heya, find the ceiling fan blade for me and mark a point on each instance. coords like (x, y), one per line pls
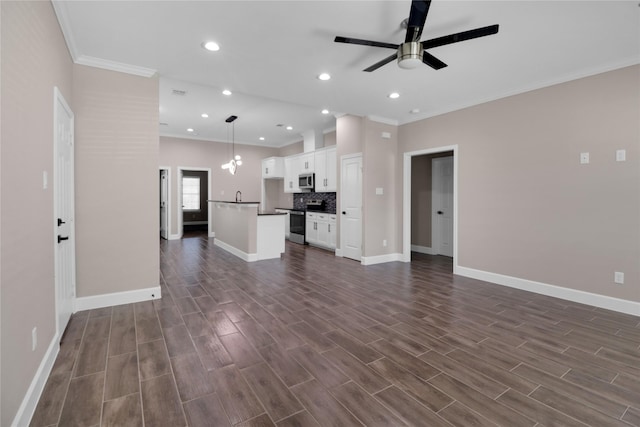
(432, 61)
(459, 37)
(379, 64)
(417, 18)
(349, 40)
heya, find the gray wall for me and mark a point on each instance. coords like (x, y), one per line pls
(34, 59)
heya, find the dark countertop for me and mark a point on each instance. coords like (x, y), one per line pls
(234, 203)
(305, 210)
(270, 213)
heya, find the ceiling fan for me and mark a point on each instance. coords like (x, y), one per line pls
(413, 52)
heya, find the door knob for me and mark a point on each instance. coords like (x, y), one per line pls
(344, 212)
(440, 212)
(60, 238)
(60, 222)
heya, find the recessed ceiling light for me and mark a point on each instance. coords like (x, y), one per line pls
(190, 130)
(261, 138)
(394, 95)
(204, 115)
(226, 92)
(325, 111)
(211, 46)
(289, 127)
(324, 76)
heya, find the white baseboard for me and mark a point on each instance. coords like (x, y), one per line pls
(117, 298)
(31, 398)
(235, 251)
(212, 234)
(175, 236)
(582, 297)
(339, 252)
(423, 250)
(379, 259)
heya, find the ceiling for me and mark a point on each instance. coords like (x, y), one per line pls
(271, 53)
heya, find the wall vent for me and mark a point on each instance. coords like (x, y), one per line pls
(179, 92)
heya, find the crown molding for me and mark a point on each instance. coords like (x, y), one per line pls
(383, 120)
(62, 14)
(91, 61)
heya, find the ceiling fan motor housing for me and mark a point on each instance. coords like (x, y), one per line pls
(410, 55)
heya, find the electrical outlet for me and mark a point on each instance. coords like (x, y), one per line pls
(584, 158)
(34, 339)
(621, 155)
(618, 277)
(384, 243)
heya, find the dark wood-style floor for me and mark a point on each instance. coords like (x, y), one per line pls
(315, 340)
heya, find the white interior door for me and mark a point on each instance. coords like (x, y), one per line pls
(351, 207)
(164, 203)
(442, 204)
(64, 226)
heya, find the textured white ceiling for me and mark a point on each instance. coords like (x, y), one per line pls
(272, 51)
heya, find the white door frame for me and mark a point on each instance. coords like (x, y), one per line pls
(340, 251)
(406, 200)
(168, 169)
(179, 203)
(60, 102)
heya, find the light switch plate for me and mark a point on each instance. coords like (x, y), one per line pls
(584, 158)
(618, 277)
(621, 155)
(379, 191)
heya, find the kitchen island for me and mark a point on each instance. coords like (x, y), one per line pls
(242, 230)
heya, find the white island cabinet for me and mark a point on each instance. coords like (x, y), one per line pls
(239, 229)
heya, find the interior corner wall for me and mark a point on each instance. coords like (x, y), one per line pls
(34, 60)
(379, 167)
(527, 208)
(117, 199)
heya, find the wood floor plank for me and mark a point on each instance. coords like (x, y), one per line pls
(575, 408)
(122, 339)
(191, 378)
(536, 410)
(323, 406)
(49, 406)
(407, 361)
(284, 365)
(301, 419)
(169, 316)
(178, 341)
(212, 353)
(240, 350)
(220, 323)
(161, 402)
(254, 332)
(410, 384)
(124, 411)
(83, 403)
(122, 376)
(259, 421)
(153, 359)
(355, 369)
(461, 416)
(197, 324)
(353, 346)
(206, 411)
(237, 398)
(272, 392)
(312, 337)
(408, 409)
(368, 410)
(92, 357)
(322, 370)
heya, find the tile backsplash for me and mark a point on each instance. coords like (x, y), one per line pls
(300, 200)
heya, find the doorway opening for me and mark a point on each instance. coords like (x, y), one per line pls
(194, 190)
(165, 197)
(430, 203)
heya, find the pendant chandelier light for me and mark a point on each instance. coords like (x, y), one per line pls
(236, 160)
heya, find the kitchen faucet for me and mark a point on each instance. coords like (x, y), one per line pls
(238, 196)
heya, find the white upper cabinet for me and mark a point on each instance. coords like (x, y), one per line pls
(273, 167)
(325, 166)
(291, 172)
(307, 164)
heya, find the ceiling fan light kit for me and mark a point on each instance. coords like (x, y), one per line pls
(413, 52)
(410, 55)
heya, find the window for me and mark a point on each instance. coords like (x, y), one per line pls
(191, 193)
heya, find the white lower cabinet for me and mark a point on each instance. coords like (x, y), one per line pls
(321, 230)
(287, 219)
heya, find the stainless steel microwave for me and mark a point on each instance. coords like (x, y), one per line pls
(306, 181)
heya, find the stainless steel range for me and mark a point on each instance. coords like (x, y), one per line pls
(297, 220)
